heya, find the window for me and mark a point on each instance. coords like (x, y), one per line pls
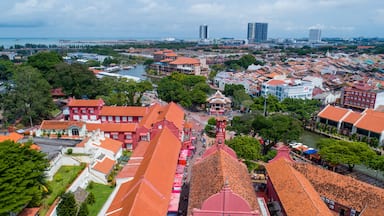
(129, 146)
(140, 118)
(110, 118)
(91, 110)
(103, 118)
(75, 132)
(128, 136)
(75, 110)
(124, 118)
(83, 111)
(115, 136)
(130, 118)
(117, 118)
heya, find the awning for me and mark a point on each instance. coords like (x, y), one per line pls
(310, 151)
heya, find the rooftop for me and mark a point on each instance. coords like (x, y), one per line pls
(85, 103)
(123, 111)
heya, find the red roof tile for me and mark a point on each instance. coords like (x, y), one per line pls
(130, 169)
(352, 117)
(275, 82)
(105, 166)
(112, 127)
(372, 121)
(111, 145)
(295, 192)
(15, 137)
(333, 113)
(185, 61)
(29, 212)
(210, 173)
(149, 193)
(59, 125)
(170, 112)
(85, 103)
(123, 111)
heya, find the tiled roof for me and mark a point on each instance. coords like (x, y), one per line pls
(275, 82)
(333, 113)
(15, 137)
(282, 152)
(149, 193)
(112, 127)
(344, 189)
(296, 194)
(185, 61)
(352, 117)
(85, 103)
(170, 112)
(211, 173)
(111, 145)
(123, 111)
(59, 125)
(105, 166)
(371, 120)
(29, 212)
(130, 169)
(171, 54)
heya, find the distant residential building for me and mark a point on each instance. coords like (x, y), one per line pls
(257, 32)
(361, 97)
(203, 32)
(314, 35)
(288, 88)
(167, 61)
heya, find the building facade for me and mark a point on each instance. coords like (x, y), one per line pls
(314, 35)
(203, 32)
(84, 110)
(257, 32)
(361, 98)
(287, 89)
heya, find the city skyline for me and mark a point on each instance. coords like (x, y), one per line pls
(155, 19)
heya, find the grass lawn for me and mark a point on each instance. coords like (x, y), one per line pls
(101, 193)
(61, 181)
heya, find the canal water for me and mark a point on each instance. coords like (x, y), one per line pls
(310, 139)
(138, 71)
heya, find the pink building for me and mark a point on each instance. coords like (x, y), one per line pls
(84, 110)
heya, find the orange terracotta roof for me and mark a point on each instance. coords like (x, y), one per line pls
(123, 111)
(170, 112)
(35, 147)
(295, 192)
(166, 60)
(105, 166)
(111, 145)
(372, 121)
(185, 61)
(188, 125)
(83, 142)
(275, 82)
(149, 193)
(59, 125)
(29, 212)
(112, 127)
(212, 171)
(272, 75)
(333, 113)
(130, 169)
(158, 53)
(171, 54)
(15, 137)
(140, 149)
(344, 190)
(85, 103)
(352, 117)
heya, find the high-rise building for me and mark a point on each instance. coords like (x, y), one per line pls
(203, 33)
(257, 32)
(314, 35)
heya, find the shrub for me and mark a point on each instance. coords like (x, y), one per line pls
(69, 151)
(90, 199)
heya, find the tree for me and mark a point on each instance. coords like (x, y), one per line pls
(6, 69)
(90, 198)
(344, 152)
(44, 61)
(67, 205)
(83, 210)
(22, 177)
(210, 128)
(246, 147)
(246, 60)
(29, 97)
(229, 89)
(108, 61)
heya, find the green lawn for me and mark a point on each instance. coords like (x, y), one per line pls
(61, 181)
(101, 193)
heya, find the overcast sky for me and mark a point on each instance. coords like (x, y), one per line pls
(181, 18)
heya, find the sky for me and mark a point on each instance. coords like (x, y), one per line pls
(156, 19)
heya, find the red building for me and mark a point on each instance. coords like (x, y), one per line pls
(361, 96)
(124, 114)
(84, 110)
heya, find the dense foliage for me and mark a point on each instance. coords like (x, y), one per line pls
(67, 205)
(344, 152)
(22, 177)
(243, 62)
(247, 148)
(28, 98)
(188, 90)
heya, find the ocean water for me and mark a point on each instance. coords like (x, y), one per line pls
(138, 71)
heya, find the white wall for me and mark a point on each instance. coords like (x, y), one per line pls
(60, 160)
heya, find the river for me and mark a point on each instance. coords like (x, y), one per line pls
(138, 71)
